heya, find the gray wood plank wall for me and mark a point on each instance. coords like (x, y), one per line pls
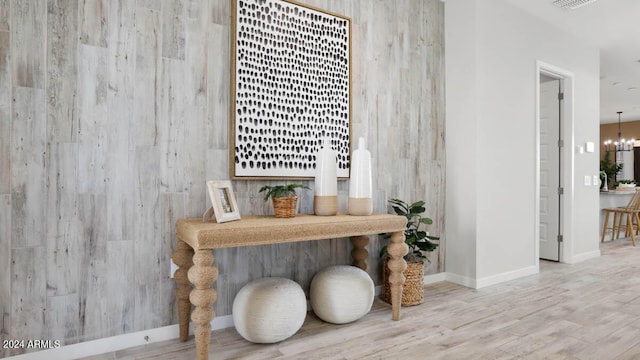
(113, 114)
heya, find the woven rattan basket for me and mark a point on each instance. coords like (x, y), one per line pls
(285, 207)
(413, 288)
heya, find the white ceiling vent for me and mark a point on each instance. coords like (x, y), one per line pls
(572, 4)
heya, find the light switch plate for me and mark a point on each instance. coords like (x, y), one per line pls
(587, 180)
(591, 146)
(596, 180)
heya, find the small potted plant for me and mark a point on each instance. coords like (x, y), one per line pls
(284, 198)
(419, 241)
(625, 184)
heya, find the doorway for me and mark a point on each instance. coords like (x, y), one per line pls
(554, 185)
(550, 174)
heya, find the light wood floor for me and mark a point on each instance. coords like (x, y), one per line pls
(586, 311)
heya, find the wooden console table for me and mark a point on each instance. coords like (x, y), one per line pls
(197, 240)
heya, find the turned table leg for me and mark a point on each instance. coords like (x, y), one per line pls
(397, 249)
(202, 275)
(359, 253)
(183, 258)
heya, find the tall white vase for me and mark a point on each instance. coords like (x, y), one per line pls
(360, 187)
(325, 200)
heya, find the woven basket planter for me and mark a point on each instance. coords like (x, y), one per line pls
(413, 288)
(285, 207)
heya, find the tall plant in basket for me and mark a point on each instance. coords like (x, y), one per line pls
(419, 241)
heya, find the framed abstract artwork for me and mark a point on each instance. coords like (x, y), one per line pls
(290, 89)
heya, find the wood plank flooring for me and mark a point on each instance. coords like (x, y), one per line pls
(589, 310)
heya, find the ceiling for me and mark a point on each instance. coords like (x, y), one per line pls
(613, 26)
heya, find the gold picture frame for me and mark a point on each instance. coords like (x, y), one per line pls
(223, 200)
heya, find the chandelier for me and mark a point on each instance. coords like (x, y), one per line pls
(621, 144)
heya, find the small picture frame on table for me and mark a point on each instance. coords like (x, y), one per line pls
(224, 206)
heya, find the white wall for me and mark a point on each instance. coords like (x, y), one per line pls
(498, 45)
(461, 140)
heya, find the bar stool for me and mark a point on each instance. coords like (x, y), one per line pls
(629, 215)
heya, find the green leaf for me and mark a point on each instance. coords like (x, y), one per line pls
(277, 191)
(417, 204)
(426, 246)
(268, 192)
(426, 221)
(419, 254)
(400, 203)
(417, 210)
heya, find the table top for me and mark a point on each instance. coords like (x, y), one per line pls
(263, 230)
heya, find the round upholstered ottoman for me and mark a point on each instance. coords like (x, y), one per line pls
(269, 310)
(341, 294)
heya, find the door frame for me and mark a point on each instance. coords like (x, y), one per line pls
(567, 171)
(553, 164)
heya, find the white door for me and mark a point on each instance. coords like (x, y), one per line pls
(550, 136)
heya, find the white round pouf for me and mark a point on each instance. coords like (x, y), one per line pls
(341, 294)
(269, 310)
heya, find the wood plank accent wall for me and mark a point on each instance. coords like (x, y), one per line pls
(114, 113)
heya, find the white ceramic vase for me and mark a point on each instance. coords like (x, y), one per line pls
(325, 200)
(360, 183)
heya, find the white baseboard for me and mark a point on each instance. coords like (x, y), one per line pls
(489, 280)
(506, 276)
(377, 291)
(460, 280)
(435, 278)
(220, 322)
(120, 342)
(584, 256)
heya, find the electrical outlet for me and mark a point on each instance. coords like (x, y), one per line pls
(596, 180)
(172, 268)
(587, 180)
